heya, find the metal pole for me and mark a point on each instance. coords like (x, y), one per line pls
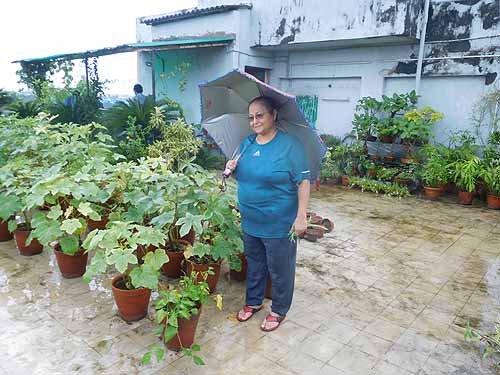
(87, 75)
(421, 51)
(153, 83)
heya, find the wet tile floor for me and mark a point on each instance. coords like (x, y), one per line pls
(387, 292)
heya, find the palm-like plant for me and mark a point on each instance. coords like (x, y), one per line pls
(25, 109)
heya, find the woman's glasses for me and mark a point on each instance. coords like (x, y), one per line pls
(258, 116)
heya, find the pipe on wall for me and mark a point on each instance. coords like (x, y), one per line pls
(423, 32)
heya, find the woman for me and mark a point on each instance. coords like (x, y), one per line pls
(273, 193)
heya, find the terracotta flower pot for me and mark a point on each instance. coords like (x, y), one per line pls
(345, 180)
(375, 157)
(493, 202)
(132, 304)
(5, 235)
(432, 193)
(173, 268)
(316, 219)
(387, 139)
(141, 251)
(372, 173)
(101, 224)
(328, 224)
(465, 197)
(240, 275)
(186, 333)
(211, 279)
(269, 289)
(27, 250)
(403, 181)
(406, 160)
(71, 266)
(190, 237)
(390, 158)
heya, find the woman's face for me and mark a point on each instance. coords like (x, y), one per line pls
(261, 120)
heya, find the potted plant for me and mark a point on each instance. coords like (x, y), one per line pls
(116, 246)
(330, 169)
(177, 314)
(8, 208)
(465, 175)
(434, 174)
(415, 127)
(387, 130)
(218, 236)
(365, 118)
(491, 176)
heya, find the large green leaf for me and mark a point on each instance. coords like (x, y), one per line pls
(163, 219)
(121, 259)
(70, 245)
(9, 205)
(70, 226)
(55, 212)
(86, 210)
(97, 266)
(190, 221)
(144, 277)
(47, 232)
(156, 259)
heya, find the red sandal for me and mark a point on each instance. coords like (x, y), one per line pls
(246, 310)
(272, 319)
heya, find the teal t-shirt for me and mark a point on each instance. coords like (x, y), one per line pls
(268, 176)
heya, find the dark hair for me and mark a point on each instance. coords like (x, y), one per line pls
(138, 88)
(266, 101)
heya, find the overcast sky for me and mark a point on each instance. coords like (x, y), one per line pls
(35, 28)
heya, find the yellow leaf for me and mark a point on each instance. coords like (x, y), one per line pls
(188, 252)
(68, 212)
(218, 301)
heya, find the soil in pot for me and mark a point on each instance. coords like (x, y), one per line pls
(432, 193)
(132, 304)
(173, 268)
(211, 279)
(493, 202)
(240, 275)
(101, 224)
(21, 235)
(186, 333)
(465, 197)
(71, 266)
(5, 235)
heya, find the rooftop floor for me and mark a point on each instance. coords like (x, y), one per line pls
(387, 292)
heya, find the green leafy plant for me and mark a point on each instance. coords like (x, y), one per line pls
(177, 144)
(435, 171)
(365, 117)
(24, 109)
(489, 343)
(175, 304)
(416, 126)
(491, 176)
(466, 173)
(116, 246)
(379, 187)
(387, 174)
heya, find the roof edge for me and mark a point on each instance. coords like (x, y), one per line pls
(191, 13)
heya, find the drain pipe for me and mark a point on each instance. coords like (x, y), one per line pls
(421, 51)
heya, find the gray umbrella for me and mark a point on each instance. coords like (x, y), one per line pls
(224, 114)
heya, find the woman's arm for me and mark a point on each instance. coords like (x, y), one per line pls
(300, 224)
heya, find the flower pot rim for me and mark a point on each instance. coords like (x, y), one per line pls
(120, 277)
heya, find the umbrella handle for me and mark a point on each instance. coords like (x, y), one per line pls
(227, 172)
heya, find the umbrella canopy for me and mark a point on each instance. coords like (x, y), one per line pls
(224, 114)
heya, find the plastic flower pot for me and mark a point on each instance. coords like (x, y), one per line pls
(33, 248)
(71, 266)
(132, 304)
(211, 279)
(493, 202)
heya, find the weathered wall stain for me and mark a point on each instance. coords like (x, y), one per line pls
(452, 20)
(281, 28)
(490, 14)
